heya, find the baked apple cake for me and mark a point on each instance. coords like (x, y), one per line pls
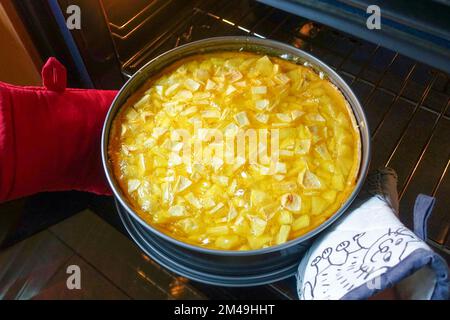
(174, 148)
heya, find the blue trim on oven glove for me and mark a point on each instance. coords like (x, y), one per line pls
(418, 272)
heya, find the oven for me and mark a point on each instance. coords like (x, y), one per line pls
(400, 73)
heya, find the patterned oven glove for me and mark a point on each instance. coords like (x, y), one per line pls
(370, 250)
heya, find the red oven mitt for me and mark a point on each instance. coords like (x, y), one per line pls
(50, 136)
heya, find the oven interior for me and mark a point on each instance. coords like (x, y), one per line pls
(406, 100)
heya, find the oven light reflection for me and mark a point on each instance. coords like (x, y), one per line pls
(178, 287)
(309, 30)
(145, 257)
(231, 23)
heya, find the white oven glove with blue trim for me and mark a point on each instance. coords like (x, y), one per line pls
(370, 250)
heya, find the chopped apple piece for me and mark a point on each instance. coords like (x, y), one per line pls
(285, 217)
(330, 196)
(232, 213)
(238, 163)
(258, 226)
(133, 185)
(337, 182)
(263, 118)
(159, 90)
(296, 114)
(318, 205)
(202, 74)
(291, 202)
(174, 160)
(217, 208)
(241, 119)
(301, 222)
(286, 153)
(142, 165)
(177, 147)
(315, 117)
(192, 85)
(222, 180)
(189, 111)
(170, 90)
(183, 95)
(322, 151)
(302, 146)
(177, 211)
(231, 130)
(280, 167)
(262, 104)
(124, 129)
(282, 79)
(264, 66)
(284, 117)
(234, 75)
(167, 195)
(283, 234)
(189, 225)
(232, 188)
(227, 242)
(193, 200)
(208, 203)
(259, 90)
(218, 230)
(132, 114)
(183, 183)
(211, 114)
(216, 163)
(309, 180)
(230, 90)
(285, 186)
(210, 85)
(258, 198)
(259, 242)
(262, 170)
(158, 132)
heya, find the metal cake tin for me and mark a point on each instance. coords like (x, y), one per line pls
(221, 267)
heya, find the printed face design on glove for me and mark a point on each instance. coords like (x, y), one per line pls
(387, 250)
(354, 262)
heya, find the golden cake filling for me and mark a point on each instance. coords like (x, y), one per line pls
(236, 151)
